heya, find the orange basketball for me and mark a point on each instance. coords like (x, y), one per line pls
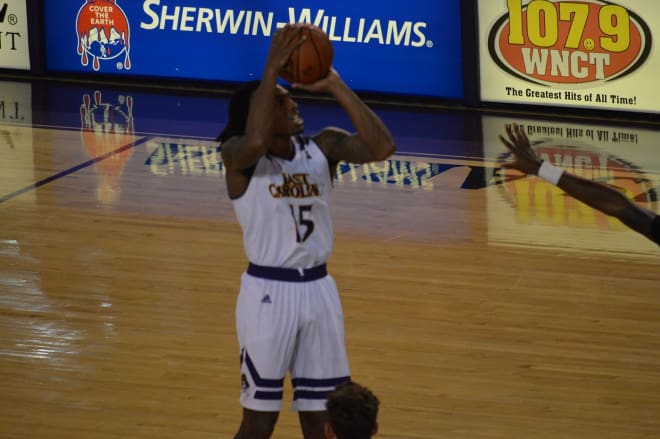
(312, 60)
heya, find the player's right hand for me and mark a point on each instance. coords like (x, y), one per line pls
(284, 42)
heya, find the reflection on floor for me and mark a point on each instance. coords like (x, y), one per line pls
(170, 137)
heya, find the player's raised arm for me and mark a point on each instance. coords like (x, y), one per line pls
(372, 140)
(602, 197)
(255, 135)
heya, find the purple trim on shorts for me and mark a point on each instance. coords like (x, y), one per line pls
(261, 382)
(268, 396)
(316, 382)
(319, 382)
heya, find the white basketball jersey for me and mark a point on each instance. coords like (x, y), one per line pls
(284, 212)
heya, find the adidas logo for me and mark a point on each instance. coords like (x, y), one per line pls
(266, 299)
(3, 12)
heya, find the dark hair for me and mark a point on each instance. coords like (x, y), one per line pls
(239, 106)
(352, 411)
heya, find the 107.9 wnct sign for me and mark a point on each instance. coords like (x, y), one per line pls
(591, 53)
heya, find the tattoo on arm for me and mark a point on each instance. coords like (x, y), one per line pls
(236, 156)
(340, 145)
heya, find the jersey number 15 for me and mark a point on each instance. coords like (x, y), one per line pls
(302, 221)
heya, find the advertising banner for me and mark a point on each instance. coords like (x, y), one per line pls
(14, 44)
(584, 53)
(384, 47)
(529, 211)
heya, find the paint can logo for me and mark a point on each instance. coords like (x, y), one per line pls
(103, 34)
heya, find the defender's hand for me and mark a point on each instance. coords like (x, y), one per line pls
(524, 157)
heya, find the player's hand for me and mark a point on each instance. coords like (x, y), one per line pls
(524, 157)
(284, 42)
(324, 85)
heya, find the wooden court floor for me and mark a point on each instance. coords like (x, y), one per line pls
(469, 313)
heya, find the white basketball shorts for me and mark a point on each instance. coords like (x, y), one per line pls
(295, 327)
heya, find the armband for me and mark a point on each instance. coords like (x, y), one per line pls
(549, 172)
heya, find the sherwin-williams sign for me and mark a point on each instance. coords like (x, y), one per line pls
(382, 47)
(14, 44)
(589, 53)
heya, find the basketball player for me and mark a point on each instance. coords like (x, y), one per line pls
(352, 412)
(288, 314)
(597, 195)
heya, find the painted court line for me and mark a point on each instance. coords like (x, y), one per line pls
(73, 169)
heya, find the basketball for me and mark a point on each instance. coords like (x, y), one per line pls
(310, 61)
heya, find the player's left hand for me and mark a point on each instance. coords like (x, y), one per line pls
(324, 85)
